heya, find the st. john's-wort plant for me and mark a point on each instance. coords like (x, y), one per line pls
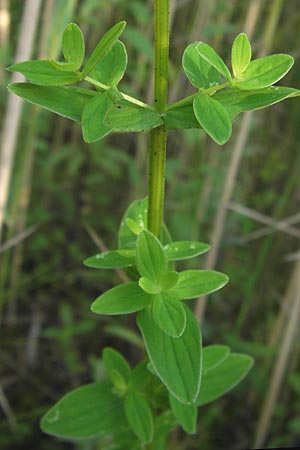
(138, 407)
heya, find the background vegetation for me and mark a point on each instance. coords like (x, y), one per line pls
(65, 199)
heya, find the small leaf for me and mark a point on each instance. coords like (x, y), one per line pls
(43, 73)
(213, 355)
(169, 280)
(176, 251)
(89, 411)
(141, 376)
(73, 45)
(263, 72)
(194, 283)
(235, 100)
(223, 378)
(180, 117)
(123, 299)
(93, 126)
(114, 361)
(177, 361)
(186, 415)
(240, 54)
(103, 47)
(200, 72)
(213, 117)
(148, 286)
(66, 101)
(111, 259)
(111, 68)
(128, 118)
(212, 57)
(169, 314)
(139, 416)
(151, 260)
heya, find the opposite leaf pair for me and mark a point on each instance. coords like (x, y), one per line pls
(158, 289)
(205, 69)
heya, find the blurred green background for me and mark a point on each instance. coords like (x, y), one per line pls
(65, 200)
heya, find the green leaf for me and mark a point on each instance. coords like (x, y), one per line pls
(66, 101)
(114, 361)
(213, 117)
(43, 73)
(73, 45)
(200, 72)
(151, 260)
(177, 361)
(141, 376)
(223, 378)
(212, 57)
(181, 117)
(169, 314)
(240, 54)
(89, 411)
(193, 283)
(139, 416)
(176, 251)
(236, 101)
(213, 355)
(137, 211)
(103, 47)
(111, 259)
(126, 117)
(169, 280)
(148, 286)
(263, 72)
(111, 68)
(186, 415)
(93, 126)
(123, 299)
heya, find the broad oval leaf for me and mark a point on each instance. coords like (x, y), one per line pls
(86, 412)
(186, 415)
(123, 299)
(93, 126)
(235, 100)
(148, 286)
(223, 378)
(169, 280)
(73, 44)
(66, 101)
(212, 57)
(179, 250)
(200, 72)
(194, 283)
(103, 47)
(43, 73)
(263, 72)
(114, 361)
(213, 117)
(111, 68)
(213, 355)
(177, 361)
(139, 417)
(240, 54)
(111, 259)
(169, 314)
(128, 118)
(180, 117)
(151, 260)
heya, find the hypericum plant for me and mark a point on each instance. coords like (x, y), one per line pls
(138, 407)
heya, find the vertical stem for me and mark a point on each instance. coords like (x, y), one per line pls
(158, 136)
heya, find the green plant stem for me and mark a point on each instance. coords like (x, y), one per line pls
(158, 136)
(130, 99)
(190, 98)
